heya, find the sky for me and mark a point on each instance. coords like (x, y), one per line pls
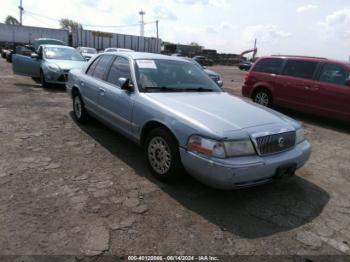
(293, 27)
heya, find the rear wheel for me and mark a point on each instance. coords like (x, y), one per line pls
(162, 154)
(263, 97)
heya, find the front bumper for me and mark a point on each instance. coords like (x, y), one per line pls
(56, 77)
(242, 171)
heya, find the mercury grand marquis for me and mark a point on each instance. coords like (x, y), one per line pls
(186, 122)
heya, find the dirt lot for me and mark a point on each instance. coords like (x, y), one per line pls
(72, 189)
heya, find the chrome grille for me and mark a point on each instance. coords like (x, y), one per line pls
(275, 143)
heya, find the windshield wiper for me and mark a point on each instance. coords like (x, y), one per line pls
(161, 89)
(199, 89)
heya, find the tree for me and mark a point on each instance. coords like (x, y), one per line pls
(10, 20)
(195, 44)
(69, 24)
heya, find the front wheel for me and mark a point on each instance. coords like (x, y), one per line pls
(80, 113)
(162, 154)
(43, 82)
(263, 97)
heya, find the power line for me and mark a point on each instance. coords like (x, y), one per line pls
(87, 25)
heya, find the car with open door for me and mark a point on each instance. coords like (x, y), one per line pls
(185, 121)
(50, 63)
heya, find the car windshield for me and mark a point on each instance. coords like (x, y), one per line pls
(162, 75)
(89, 50)
(62, 53)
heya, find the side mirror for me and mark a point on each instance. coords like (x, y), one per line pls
(347, 82)
(34, 56)
(126, 84)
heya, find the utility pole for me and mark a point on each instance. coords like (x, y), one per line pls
(20, 12)
(157, 28)
(142, 23)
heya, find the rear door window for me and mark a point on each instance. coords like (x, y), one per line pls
(119, 69)
(302, 69)
(270, 66)
(92, 67)
(334, 74)
(102, 66)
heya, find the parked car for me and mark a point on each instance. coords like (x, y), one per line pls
(9, 56)
(26, 50)
(315, 85)
(204, 61)
(87, 52)
(4, 53)
(245, 65)
(113, 49)
(51, 63)
(185, 121)
(179, 55)
(212, 74)
(46, 41)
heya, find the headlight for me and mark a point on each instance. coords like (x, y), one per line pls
(54, 67)
(220, 149)
(239, 148)
(299, 136)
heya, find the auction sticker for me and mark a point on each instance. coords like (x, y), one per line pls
(148, 64)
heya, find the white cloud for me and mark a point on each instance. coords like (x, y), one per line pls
(162, 12)
(336, 25)
(264, 33)
(211, 30)
(216, 3)
(305, 8)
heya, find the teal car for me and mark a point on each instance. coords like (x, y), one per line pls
(50, 63)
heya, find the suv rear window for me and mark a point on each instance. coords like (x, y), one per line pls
(302, 69)
(269, 65)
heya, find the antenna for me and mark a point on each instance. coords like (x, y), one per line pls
(142, 23)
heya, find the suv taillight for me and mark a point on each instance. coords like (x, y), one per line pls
(247, 76)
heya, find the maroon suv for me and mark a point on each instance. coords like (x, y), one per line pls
(315, 85)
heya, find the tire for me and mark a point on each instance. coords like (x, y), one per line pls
(162, 155)
(80, 113)
(43, 82)
(263, 97)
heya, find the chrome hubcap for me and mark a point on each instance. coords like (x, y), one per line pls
(262, 98)
(159, 155)
(77, 107)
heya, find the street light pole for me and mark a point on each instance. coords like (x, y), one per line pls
(157, 28)
(142, 23)
(20, 7)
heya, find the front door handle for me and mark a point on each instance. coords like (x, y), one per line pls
(102, 91)
(82, 83)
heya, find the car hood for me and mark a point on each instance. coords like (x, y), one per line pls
(218, 112)
(68, 65)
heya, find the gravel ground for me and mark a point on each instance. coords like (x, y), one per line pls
(85, 190)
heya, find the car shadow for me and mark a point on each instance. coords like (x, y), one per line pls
(325, 122)
(249, 213)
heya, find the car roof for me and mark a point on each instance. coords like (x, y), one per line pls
(308, 58)
(146, 56)
(60, 46)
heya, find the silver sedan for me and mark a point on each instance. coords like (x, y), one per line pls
(185, 122)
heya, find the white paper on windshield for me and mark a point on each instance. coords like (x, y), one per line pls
(149, 64)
